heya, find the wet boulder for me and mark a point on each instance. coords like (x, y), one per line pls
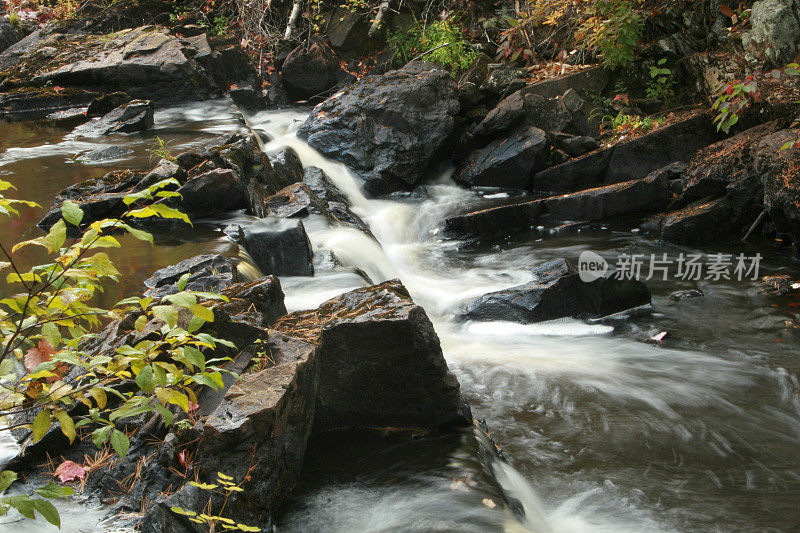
(508, 162)
(575, 145)
(387, 128)
(279, 247)
(495, 222)
(698, 222)
(106, 103)
(574, 174)
(381, 364)
(646, 195)
(108, 153)
(247, 98)
(308, 73)
(211, 193)
(136, 115)
(207, 273)
(558, 292)
(779, 173)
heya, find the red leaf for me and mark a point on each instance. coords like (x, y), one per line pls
(729, 89)
(728, 12)
(35, 356)
(69, 471)
(182, 458)
(193, 406)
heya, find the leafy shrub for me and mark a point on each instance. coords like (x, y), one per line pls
(614, 29)
(662, 83)
(442, 42)
(47, 319)
(731, 98)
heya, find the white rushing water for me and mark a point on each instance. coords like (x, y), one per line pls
(605, 433)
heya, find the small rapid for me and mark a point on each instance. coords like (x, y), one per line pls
(606, 430)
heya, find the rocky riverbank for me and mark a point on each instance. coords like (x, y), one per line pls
(369, 358)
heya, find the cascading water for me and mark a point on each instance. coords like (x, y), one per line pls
(605, 430)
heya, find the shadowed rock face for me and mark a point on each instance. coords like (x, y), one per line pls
(387, 128)
(381, 363)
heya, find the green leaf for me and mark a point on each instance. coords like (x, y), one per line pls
(203, 312)
(100, 435)
(166, 313)
(72, 212)
(120, 443)
(54, 490)
(7, 477)
(183, 281)
(182, 299)
(51, 334)
(195, 357)
(166, 413)
(145, 379)
(203, 486)
(23, 504)
(58, 234)
(41, 424)
(48, 511)
(67, 425)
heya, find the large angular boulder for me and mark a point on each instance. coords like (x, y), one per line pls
(213, 192)
(558, 292)
(779, 173)
(387, 128)
(698, 222)
(575, 174)
(381, 362)
(279, 247)
(508, 162)
(774, 36)
(308, 73)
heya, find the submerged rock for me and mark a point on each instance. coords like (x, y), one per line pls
(136, 115)
(207, 273)
(699, 222)
(559, 292)
(105, 154)
(387, 128)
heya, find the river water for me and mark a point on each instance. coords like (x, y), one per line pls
(604, 430)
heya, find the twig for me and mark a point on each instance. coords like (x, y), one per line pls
(755, 225)
(429, 51)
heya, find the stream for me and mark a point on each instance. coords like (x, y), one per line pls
(604, 429)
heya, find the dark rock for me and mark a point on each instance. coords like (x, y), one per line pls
(505, 116)
(105, 154)
(575, 145)
(387, 128)
(504, 80)
(677, 296)
(147, 61)
(247, 98)
(508, 162)
(34, 103)
(322, 186)
(164, 170)
(347, 30)
(286, 166)
(700, 222)
(559, 292)
(296, 200)
(134, 116)
(258, 303)
(779, 173)
(495, 222)
(549, 114)
(214, 192)
(99, 198)
(310, 73)
(103, 105)
(208, 273)
(646, 195)
(279, 247)
(9, 34)
(68, 118)
(367, 338)
(575, 174)
(593, 80)
(675, 142)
